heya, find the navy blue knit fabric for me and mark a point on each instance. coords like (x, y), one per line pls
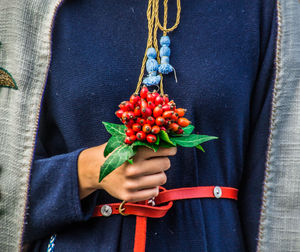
(223, 52)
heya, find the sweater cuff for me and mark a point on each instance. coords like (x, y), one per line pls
(54, 200)
(84, 208)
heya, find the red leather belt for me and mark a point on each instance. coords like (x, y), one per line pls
(160, 206)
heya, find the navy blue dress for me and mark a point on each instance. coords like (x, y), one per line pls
(223, 52)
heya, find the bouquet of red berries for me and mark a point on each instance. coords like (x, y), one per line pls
(149, 119)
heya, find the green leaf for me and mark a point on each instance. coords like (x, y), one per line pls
(130, 161)
(192, 140)
(165, 137)
(113, 143)
(200, 147)
(157, 140)
(117, 158)
(154, 147)
(188, 130)
(115, 129)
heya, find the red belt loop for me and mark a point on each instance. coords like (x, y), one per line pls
(164, 201)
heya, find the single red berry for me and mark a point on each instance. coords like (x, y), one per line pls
(159, 100)
(136, 127)
(130, 114)
(183, 122)
(150, 97)
(172, 103)
(125, 116)
(151, 138)
(129, 106)
(168, 114)
(147, 128)
(155, 129)
(133, 138)
(122, 106)
(150, 120)
(166, 98)
(119, 113)
(146, 112)
(163, 128)
(168, 122)
(129, 123)
(141, 121)
(160, 121)
(141, 135)
(144, 92)
(166, 107)
(179, 131)
(137, 111)
(144, 104)
(155, 94)
(157, 111)
(128, 140)
(151, 105)
(174, 117)
(174, 127)
(129, 132)
(134, 99)
(180, 112)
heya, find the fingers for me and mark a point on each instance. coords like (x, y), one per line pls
(147, 167)
(147, 153)
(146, 182)
(141, 195)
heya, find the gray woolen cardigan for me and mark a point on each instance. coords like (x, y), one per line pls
(25, 35)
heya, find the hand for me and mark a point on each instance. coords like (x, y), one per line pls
(130, 182)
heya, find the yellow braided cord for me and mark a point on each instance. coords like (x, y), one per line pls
(155, 42)
(150, 17)
(165, 16)
(164, 29)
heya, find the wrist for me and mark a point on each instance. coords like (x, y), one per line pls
(89, 163)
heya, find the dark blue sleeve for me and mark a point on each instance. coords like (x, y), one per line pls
(53, 200)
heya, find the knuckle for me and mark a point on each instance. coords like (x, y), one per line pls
(130, 171)
(129, 185)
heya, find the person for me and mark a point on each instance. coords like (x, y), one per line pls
(224, 56)
(75, 104)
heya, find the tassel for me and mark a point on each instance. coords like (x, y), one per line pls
(165, 53)
(151, 67)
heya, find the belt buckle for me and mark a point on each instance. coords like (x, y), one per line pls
(122, 208)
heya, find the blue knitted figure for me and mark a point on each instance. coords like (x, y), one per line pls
(165, 52)
(152, 67)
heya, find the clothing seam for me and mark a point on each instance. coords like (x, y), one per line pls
(271, 126)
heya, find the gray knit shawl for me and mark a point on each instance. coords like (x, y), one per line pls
(25, 33)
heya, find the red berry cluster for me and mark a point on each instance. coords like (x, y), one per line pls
(145, 115)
